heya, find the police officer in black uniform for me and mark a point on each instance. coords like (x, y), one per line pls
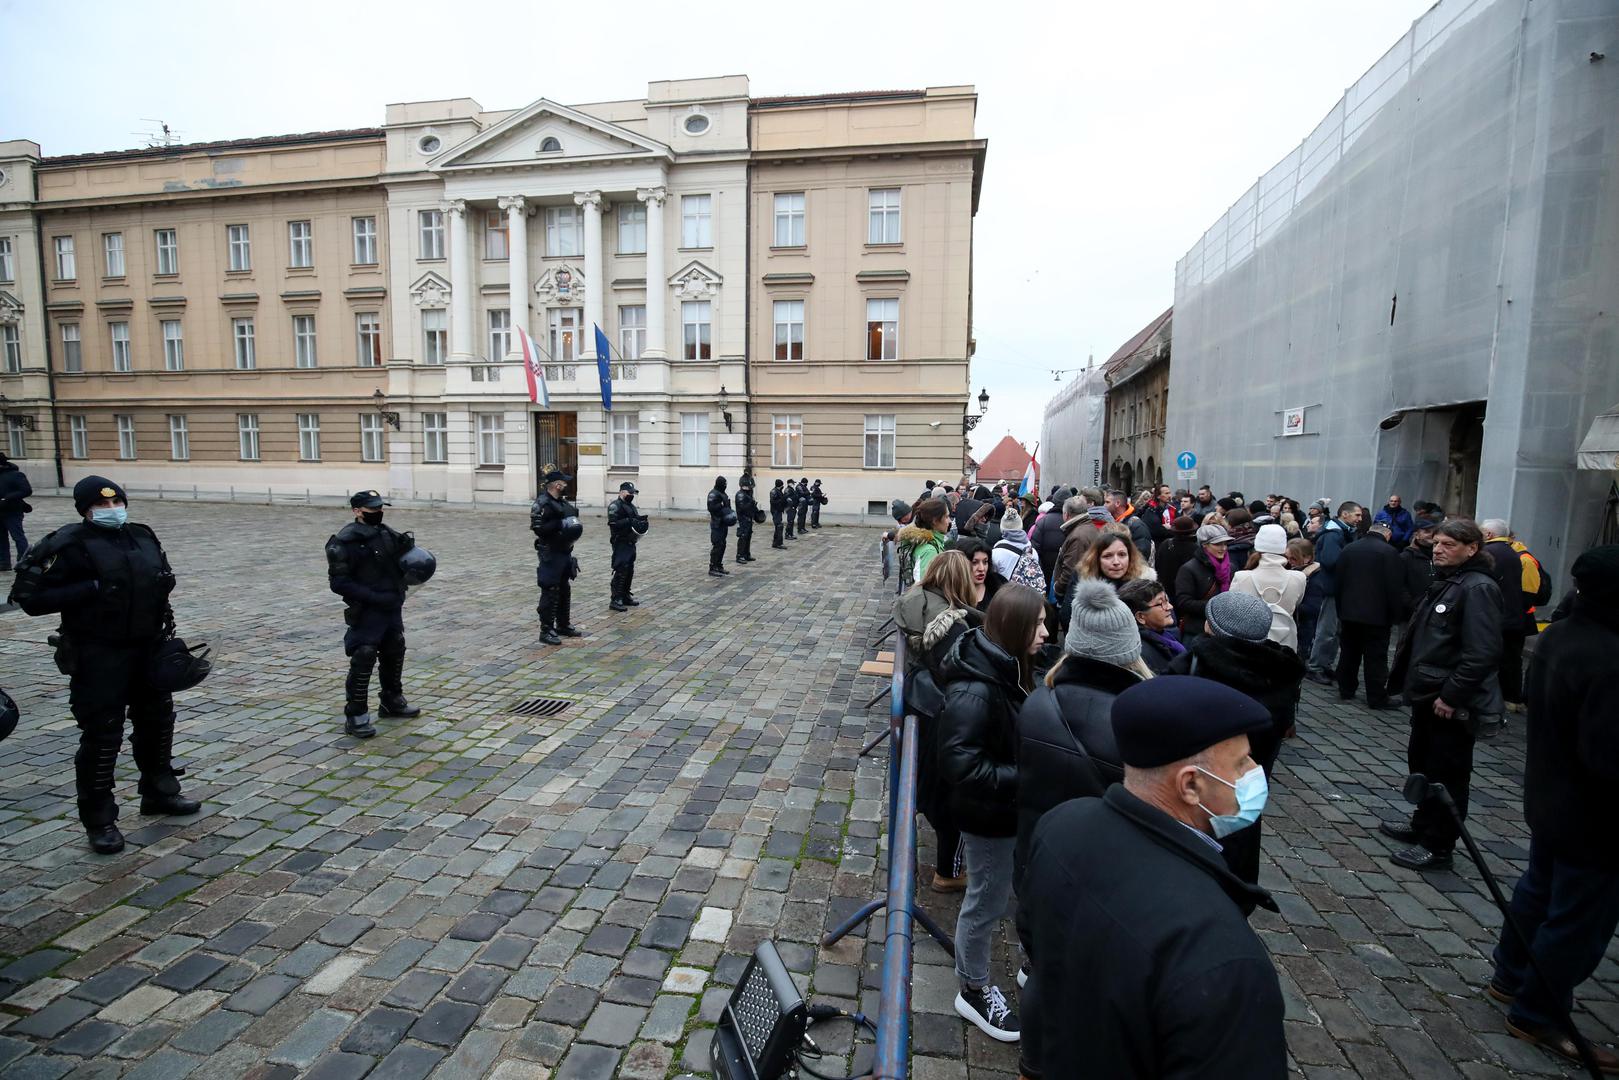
(817, 500)
(720, 519)
(804, 500)
(362, 566)
(792, 508)
(745, 506)
(556, 525)
(778, 506)
(110, 580)
(625, 525)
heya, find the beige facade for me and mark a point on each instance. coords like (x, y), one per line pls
(25, 393)
(1137, 407)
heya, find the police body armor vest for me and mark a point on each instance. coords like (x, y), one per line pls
(373, 554)
(132, 601)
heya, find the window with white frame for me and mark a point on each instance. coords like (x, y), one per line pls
(300, 245)
(787, 440)
(435, 335)
(247, 435)
(696, 320)
(882, 217)
(16, 437)
(882, 328)
(626, 438)
(632, 228)
(631, 331)
(303, 341)
(308, 436)
(8, 268)
(237, 247)
(696, 221)
(11, 339)
(368, 339)
(789, 329)
(435, 438)
(66, 267)
(112, 249)
(880, 441)
(126, 436)
(365, 241)
(430, 230)
(491, 439)
(179, 438)
(78, 431)
(121, 359)
(564, 230)
(500, 334)
(496, 235)
(242, 334)
(694, 438)
(564, 332)
(174, 346)
(72, 353)
(790, 219)
(167, 244)
(371, 446)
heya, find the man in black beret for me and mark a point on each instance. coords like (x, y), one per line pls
(1143, 963)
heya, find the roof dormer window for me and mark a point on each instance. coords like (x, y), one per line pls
(550, 145)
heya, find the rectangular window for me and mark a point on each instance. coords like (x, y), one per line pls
(787, 440)
(880, 441)
(632, 331)
(563, 230)
(112, 246)
(237, 247)
(174, 347)
(789, 329)
(626, 432)
(435, 441)
(78, 430)
(246, 355)
(430, 228)
(66, 268)
(8, 269)
(495, 235)
(564, 335)
(491, 438)
(882, 216)
(121, 360)
(168, 251)
(247, 435)
(126, 436)
(882, 329)
(300, 245)
(179, 439)
(308, 436)
(11, 338)
(370, 437)
(694, 438)
(303, 341)
(632, 228)
(696, 221)
(368, 339)
(72, 356)
(16, 437)
(500, 334)
(365, 241)
(435, 336)
(790, 219)
(696, 320)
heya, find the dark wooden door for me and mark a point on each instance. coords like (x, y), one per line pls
(556, 446)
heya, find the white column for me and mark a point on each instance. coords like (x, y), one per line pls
(595, 287)
(462, 287)
(517, 264)
(657, 297)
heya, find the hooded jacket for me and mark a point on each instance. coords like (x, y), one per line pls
(1275, 583)
(1047, 538)
(1452, 647)
(1266, 671)
(1400, 522)
(916, 546)
(1173, 554)
(1195, 585)
(1079, 533)
(14, 488)
(978, 734)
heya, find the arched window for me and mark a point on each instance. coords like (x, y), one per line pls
(550, 145)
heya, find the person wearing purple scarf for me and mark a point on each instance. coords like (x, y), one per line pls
(1155, 621)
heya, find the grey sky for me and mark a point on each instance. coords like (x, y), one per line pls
(1117, 132)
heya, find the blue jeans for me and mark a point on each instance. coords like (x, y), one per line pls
(1569, 913)
(11, 526)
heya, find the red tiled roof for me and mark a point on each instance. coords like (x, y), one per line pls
(1006, 462)
(853, 95)
(1140, 339)
(345, 135)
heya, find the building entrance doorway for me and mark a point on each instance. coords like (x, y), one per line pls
(556, 446)
(1466, 447)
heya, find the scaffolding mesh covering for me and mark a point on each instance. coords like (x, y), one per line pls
(1071, 448)
(1444, 245)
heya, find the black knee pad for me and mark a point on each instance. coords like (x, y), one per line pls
(364, 655)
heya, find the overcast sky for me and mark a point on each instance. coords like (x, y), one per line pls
(1117, 132)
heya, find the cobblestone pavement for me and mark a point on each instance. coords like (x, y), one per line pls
(477, 893)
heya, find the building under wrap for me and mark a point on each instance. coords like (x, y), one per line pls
(1424, 294)
(1072, 445)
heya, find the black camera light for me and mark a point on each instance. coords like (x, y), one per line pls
(763, 1024)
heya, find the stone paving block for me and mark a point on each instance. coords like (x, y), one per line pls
(311, 1038)
(164, 1065)
(613, 1025)
(567, 1004)
(407, 1061)
(586, 1062)
(340, 1066)
(189, 972)
(212, 1032)
(444, 1023)
(260, 996)
(54, 1018)
(415, 990)
(89, 1038)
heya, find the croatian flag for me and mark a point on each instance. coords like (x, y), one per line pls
(534, 368)
(604, 369)
(1029, 479)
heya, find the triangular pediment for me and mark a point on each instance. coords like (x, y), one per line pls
(10, 308)
(546, 132)
(696, 281)
(431, 290)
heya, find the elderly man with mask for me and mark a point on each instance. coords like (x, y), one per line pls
(1144, 964)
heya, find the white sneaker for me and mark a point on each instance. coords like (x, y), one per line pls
(987, 1010)
(1022, 977)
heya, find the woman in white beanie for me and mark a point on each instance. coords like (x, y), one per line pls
(1269, 577)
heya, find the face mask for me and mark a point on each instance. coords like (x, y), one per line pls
(372, 517)
(1252, 790)
(110, 517)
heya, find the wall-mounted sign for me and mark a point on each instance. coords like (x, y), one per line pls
(1293, 420)
(590, 450)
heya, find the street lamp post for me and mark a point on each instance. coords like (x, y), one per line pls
(969, 422)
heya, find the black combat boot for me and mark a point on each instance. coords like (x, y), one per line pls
(548, 615)
(93, 770)
(565, 625)
(629, 579)
(618, 603)
(357, 694)
(391, 672)
(160, 789)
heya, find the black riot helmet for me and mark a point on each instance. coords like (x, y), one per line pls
(572, 528)
(177, 666)
(719, 483)
(9, 714)
(417, 565)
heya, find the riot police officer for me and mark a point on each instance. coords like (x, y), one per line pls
(110, 580)
(745, 506)
(720, 519)
(804, 500)
(792, 508)
(778, 506)
(363, 567)
(625, 525)
(817, 500)
(556, 525)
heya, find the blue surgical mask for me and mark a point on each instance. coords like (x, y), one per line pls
(110, 517)
(1252, 790)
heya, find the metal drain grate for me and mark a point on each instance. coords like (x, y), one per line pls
(540, 706)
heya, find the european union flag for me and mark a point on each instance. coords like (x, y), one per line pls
(603, 369)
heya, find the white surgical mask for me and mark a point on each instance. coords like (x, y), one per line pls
(110, 517)
(1252, 790)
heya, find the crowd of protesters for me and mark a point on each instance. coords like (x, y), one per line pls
(1105, 685)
